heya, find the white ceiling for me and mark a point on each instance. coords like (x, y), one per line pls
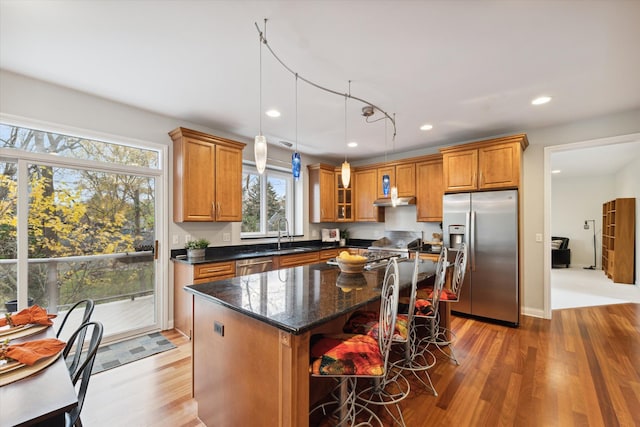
(469, 68)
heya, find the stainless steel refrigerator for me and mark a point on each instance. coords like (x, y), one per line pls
(488, 223)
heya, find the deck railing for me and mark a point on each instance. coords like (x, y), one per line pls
(86, 276)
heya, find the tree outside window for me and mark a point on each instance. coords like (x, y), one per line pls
(265, 199)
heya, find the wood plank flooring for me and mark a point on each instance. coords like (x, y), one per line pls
(581, 368)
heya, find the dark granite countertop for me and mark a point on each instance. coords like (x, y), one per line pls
(298, 299)
(230, 253)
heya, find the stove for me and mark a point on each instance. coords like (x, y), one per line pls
(393, 244)
(400, 242)
(376, 258)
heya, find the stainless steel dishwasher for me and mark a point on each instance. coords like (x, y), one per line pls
(253, 265)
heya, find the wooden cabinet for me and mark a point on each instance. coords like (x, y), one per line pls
(207, 177)
(295, 260)
(406, 179)
(429, 189)
(380, 172)
(188, 274)
(365, 192)
(484, 165)
(326, 254)
(401, 175)
(618, 240)
(343, 199)
(321, 193)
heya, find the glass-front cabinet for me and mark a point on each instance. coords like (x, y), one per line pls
(344, 206)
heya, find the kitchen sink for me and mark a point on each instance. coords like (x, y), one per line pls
(293, 250)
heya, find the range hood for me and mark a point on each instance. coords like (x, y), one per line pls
(402, 201)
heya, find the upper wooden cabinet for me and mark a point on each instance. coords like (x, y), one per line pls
(401, 175)
(321, 193)
(207, 177)
(365, 191)
(429, 189)
(343, 199)
(484, 165)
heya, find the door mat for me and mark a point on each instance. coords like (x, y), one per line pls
(123, 352)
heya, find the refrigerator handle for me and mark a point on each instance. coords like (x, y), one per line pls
(472, 239)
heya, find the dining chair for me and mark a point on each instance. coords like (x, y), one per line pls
(350, 357)
(86, 315)
(80, 366)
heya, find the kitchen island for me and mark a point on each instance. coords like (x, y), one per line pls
(251, 339)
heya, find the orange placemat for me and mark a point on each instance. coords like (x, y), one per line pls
(17, 371)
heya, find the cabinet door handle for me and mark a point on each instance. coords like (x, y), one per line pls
(213, 209)
(219, 209)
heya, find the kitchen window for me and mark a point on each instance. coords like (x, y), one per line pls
(267, 199)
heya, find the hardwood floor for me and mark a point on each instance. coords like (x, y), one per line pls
(581, 368)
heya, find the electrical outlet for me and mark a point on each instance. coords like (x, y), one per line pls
(538, 237)
(314, 233)
(218, 328)
(187, 238)
(226, 237)
(175, 239)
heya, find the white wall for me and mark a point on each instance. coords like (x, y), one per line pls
(628, 185)
(574, 200)
(25, 97)
(533, 189)
(400, 218)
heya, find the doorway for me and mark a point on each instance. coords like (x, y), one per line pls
(589, 176)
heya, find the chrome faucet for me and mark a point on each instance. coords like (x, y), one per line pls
(286, 226)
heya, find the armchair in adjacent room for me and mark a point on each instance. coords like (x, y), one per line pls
(560, 252)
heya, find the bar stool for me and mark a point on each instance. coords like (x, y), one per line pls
(417, 358)
(445, 337)
(349, 357)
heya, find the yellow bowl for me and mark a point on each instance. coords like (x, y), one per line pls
(351, 266)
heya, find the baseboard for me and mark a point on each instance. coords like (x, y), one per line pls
(533, 312)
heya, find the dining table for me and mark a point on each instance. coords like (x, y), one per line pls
(42, 398)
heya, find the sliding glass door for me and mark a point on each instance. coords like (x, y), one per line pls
(78, 224)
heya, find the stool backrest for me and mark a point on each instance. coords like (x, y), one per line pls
(388, 308)
(459, 269)
(413, 293)
(439, 279)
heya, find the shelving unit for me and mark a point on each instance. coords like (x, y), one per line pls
(618, 239)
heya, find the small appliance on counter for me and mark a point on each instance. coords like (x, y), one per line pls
(330, 234)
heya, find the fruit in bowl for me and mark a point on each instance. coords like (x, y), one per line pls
(351, 263)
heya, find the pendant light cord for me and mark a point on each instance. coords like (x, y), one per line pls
(296, 112)
(345, 126)
(263, 39)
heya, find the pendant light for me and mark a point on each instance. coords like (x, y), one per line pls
(295, 157)
(346, 167)
(260, 142)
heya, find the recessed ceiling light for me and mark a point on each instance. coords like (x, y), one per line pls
(352, 144)
(556, 171)
(541, 100)
(426, 127)
(273, 113)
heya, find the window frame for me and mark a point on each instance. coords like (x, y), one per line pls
(291, 205)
